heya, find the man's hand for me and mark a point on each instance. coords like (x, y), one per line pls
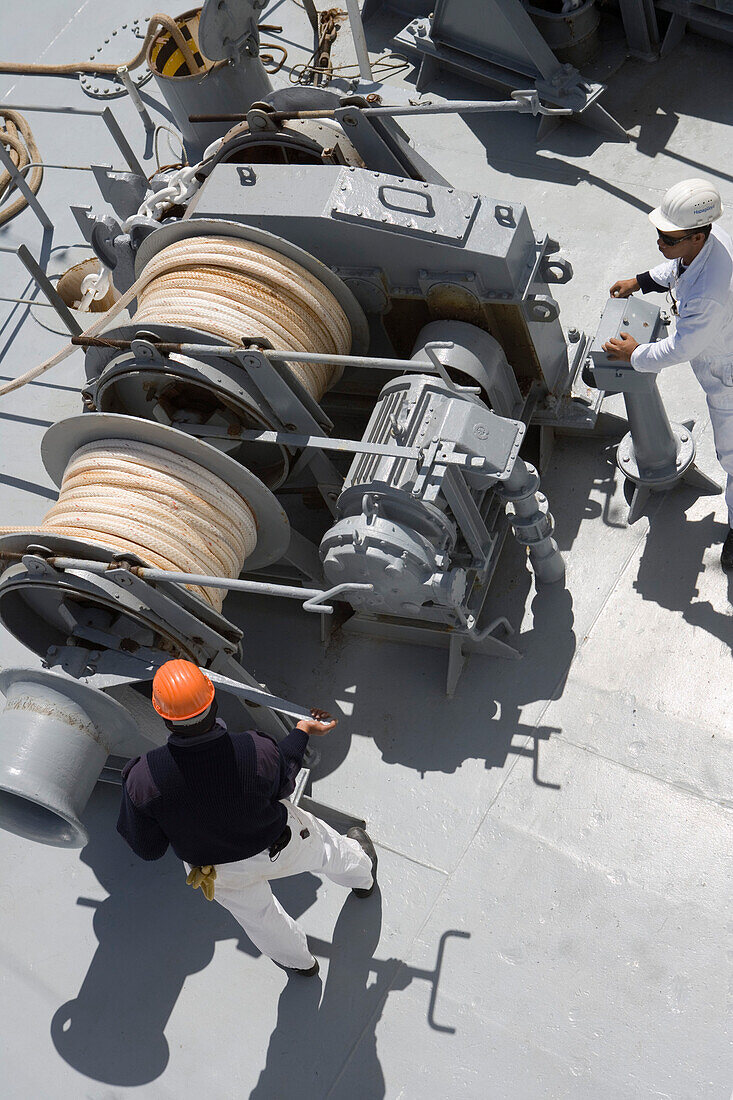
(621, 347)
(624, 288)
(321, 723)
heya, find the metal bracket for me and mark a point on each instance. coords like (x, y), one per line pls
(44, 283)
(165, 606)
(467, 515)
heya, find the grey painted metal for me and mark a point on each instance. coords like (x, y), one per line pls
(392, 227)
(640, 26)
(257, 695)
(186, 393)
(572, 32)
(121, 627)
(384, 146)
(314, 599)
(714, 20)
(505, 30)
(505, 245)
(595, 737)
(62, 439)
(357, 131)
(229, 28)
(523, 101)
(400, 521)
(644, 321)
(121, 41)
(477, 356)
(54, 298)
(325, 443)
(56, 736)
(15, 546)
(20, 182)
(44, 607)
(107, 117)
(243, 82)
(227, 32)
(655, 455)
(360, 44)
(201, 226)
(504, 48)
(674, 34)
(532, 522)
(300, 140)
(122, 143)
(153, 345)
(443, 212)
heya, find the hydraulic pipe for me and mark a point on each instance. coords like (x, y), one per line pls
(532, 522)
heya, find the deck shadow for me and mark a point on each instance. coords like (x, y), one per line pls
(153, 933)
(485, 717)
(671, 562)
(318, 1025)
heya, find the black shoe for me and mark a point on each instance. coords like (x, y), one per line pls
(309, 972)
(362, 839)
(726, 557)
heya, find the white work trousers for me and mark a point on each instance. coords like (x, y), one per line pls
(244, 887)
(722, 422)
(715, 375)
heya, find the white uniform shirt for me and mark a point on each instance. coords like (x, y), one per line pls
(704, 331)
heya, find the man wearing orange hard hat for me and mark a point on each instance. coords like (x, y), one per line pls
(220, 800)
(697, 274)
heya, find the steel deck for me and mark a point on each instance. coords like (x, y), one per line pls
(558, 833)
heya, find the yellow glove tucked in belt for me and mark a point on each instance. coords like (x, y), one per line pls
(202, 878)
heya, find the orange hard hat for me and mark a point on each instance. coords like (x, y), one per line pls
(181, 691)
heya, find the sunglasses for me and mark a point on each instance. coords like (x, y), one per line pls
(672, 241)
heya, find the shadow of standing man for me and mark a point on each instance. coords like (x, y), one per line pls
(311, 1043)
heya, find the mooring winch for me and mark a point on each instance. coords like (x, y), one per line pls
(131, 492)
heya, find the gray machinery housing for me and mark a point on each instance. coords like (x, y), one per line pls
(424, 252)
(425, 533)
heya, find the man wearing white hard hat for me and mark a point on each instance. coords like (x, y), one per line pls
(698, 275)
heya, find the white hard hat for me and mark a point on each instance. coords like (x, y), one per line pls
(687, 205)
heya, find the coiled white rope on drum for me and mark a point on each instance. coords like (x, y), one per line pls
(233, 289)
(171, 512)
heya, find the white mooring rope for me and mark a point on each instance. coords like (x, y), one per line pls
(171, 512)
(233, 289)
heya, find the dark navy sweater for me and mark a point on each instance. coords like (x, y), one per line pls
(214, 798)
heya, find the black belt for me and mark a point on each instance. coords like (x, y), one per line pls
(282, 842)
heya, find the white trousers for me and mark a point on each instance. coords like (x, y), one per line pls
(722, 423)
(715, 375)
(244, 887)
